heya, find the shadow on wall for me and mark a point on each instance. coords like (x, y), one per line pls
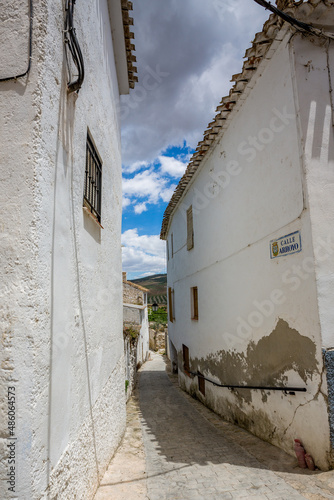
(92, 227)
(183, 436)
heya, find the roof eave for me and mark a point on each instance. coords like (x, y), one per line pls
(123, 47)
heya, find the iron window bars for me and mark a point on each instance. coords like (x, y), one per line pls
(93, 179)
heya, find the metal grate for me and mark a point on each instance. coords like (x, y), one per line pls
(93, 179)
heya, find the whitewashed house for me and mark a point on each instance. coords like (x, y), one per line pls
(62, 353)
(250, 242)
(135, 330)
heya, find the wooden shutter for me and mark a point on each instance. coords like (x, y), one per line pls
(167, 250)
(190, 229)
(170, 305)
(172, 244)
(195, 302)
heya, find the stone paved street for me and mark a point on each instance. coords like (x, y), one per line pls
(175, 448)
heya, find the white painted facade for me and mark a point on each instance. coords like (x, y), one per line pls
(263, 321)
(135, 313)
(61, 283)
(138, 316)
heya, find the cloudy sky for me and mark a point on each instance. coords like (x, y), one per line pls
(187, 52)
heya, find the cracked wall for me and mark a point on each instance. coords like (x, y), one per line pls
(274, 416)
(264, 363)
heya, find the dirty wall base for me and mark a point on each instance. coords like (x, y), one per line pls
(281, 433)
(77, 474)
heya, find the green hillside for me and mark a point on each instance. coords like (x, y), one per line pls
(157, 286)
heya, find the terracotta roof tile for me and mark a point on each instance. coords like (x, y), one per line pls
(129, 35)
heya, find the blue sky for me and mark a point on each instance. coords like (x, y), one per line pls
(186, 55)
(146, 192)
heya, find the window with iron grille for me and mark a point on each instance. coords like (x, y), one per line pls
(93, 179)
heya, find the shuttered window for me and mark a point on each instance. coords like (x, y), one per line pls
(170, 304)
(167, 250)
(190, 229)
(194, 303)
(172, 245)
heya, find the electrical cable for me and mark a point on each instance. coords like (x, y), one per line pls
(71, 42)
(294, 22)
(29, 45)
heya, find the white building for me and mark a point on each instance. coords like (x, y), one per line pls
(135, 329)
(250, 243)
(61, 284)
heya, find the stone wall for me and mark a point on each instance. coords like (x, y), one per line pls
(132, 295)
(158, 338)
(130, 353)
(131, 315)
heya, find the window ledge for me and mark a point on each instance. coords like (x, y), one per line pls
(134, 306)
(89, 213)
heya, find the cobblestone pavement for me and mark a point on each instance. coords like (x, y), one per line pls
(175, 448)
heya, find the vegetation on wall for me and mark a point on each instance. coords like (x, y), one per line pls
(132, 332)
(159, 317)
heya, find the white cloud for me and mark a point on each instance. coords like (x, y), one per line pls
(152, 186)
(167, 193)
(140, 208)
(126, 202)
(149, 186)
(172, 166)
(198, 46)
(137, 165)
(151, 244)
(146, 184)
(143, 254)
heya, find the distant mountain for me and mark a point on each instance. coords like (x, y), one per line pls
(157, 286)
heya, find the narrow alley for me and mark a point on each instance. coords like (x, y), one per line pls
(175, 448)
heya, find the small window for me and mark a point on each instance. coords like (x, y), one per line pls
(172, 245)
(194, 303)
(167, 250)
(171, 304)
(93, 179)
(185, 355)
(190, 229)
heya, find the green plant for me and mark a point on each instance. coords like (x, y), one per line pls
(159, 317)
(126, 385)
(131, 332)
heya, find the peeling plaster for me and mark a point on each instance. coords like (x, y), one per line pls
(264, 363)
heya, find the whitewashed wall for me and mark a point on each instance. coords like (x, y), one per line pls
(258, 317)
(137, 315)
(61, 287)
